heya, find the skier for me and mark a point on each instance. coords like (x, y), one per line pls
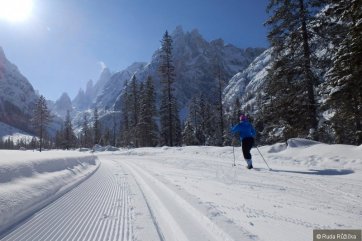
(247, 135)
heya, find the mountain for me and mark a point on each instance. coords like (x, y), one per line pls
(17, 96)
(195, 60)
(113, 88)
(62, 106)
(85, 99)
(249, 83)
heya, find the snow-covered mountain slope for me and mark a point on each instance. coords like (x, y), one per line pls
(113, 88)
(195, 193)
(17, 96)
(62, 106)
(248, 82)
(85, 99)
(104, 99)
(194, 59)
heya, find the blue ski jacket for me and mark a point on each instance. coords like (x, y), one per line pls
(245, 129)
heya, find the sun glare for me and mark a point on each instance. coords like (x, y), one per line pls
(15, 10)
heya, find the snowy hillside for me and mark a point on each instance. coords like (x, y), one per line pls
(113, 88)
(194, 193)
(248, 82)
(17, 96)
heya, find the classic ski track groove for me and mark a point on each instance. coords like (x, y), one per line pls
(153, 217)
(97, 209)
(153, 187)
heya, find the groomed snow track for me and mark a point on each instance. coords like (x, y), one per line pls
(97, 209)
(120, 201)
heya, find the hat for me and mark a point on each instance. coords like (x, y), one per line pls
(243, 117)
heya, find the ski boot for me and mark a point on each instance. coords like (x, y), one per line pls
(250, 163)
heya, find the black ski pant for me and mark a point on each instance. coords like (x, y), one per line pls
(247, 143)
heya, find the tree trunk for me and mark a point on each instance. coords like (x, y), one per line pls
(307, 69)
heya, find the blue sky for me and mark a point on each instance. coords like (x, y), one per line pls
(65, 43)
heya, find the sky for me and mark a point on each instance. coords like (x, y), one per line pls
(62, 44)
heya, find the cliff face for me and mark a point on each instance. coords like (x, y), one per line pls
(17, 96)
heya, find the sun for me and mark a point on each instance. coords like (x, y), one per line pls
(15, 10)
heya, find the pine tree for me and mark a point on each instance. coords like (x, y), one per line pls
(96, 127)
(114, 129)
(69, 136)
(290, 79)
(220, 122)
(207, 125)
(189, 134)
(344, 78)
(86, 135)
(59, 138)
(134, 109)
(169, 119)
(197, 118)
(41, 119)
(125, 123)
(232, 119)
(147, 126)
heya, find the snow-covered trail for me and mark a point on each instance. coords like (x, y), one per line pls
(97, 209)
(303, 192)
(194, 193)
(175, 218)
(119, 202)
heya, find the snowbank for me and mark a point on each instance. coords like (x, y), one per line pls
(31, 180)
(99, 148)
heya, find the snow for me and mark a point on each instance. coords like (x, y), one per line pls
(14, 134)
(249, 81)
(31, 180)
(195, 193)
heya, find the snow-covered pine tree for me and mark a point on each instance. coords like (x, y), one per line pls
(345, 76)
(232, 118)
(96, 127)
(208, 119)
(114, 129)
(220, 133)
(147, 125)
(70, 139)
(107, 136)
(192, 131)
(134, 109)
(189, 134)
(291, 81)
(169, 117)
(124, 123)
(41, 119)
(59, 138)
(204, 121)
(85, 134)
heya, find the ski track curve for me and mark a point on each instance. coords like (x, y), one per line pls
(97, 209)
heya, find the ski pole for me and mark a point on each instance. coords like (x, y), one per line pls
(263, 159)
(234, 156)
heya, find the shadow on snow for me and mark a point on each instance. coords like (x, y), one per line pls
(325, 172)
